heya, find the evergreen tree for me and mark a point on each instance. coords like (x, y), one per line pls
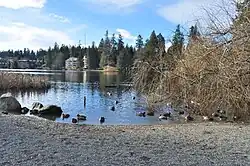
(152, 46)
(120, 43)
(161, 44)
(139, 42)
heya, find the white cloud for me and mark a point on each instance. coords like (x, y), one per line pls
(17, 4)
(125, 34)
(117, 3)
(59, 18)
(189, 11)
(20, 35)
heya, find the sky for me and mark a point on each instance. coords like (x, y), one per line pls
(39, 24)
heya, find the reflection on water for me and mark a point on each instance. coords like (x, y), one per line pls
(70, 87)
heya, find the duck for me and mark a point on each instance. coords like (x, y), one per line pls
(168, 114)
(74, 120)
(163, 117)
(141, 114)
(116, 102)
(222, 118)
(109, 93)
(133, 98)
(81, 117)
(215, 114)
(65, 116)
(189, 118)
(102, 119)
(113, 108)
(181, 112)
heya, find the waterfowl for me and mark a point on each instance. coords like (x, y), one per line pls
(181, 112)
(168, 114)
(74, 120)
(102, 119)
(65, 116)
(150, 113)
(133, 98)
(141, 114)
(215, 114)
(163, 117)
(5, 112)
(189, 118)
(108, 93)
(112, 108)
(222, 118)
(81, 117)
(221, 111)
(116, 102)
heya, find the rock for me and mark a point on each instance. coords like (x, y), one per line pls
(9, 103)
(50, 110)
(150, 113)
(25, 110)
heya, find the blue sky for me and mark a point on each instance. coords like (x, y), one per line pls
(39, 23)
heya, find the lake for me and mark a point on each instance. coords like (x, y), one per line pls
(70, 87)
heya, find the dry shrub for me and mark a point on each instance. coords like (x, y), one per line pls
(22, 81)
(214, 75)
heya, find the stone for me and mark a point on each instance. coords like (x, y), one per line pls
(9, 103)
(50, 110)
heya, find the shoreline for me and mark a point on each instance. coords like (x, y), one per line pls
(35, 141)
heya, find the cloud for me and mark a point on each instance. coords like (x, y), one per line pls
(59, 18)
(20, 35)
(125, 34)
(18, 4)
(189, 11)
(117, 3)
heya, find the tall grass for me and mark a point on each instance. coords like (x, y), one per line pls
(15, 81)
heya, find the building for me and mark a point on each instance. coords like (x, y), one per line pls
(85, 62)
(3, 63)
(72, 64)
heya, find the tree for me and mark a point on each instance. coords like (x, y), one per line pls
(120, 43)
(177, 43)
(161, 44)
(151, 47)
(139, 42)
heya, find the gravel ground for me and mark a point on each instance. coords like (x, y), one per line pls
(33, 141)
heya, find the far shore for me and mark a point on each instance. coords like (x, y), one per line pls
(28, 140)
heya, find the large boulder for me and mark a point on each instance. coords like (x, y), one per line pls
(8, 103)
(50, 110)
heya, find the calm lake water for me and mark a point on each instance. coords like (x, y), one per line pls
(70, 87)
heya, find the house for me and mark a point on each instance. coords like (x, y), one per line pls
(72, 64)
(85, 62)
(3, 63)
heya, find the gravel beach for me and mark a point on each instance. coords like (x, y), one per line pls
(28, 141)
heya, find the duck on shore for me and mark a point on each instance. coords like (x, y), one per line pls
(163, 117)
(141, 114)
(74, 120)
(81, 117)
